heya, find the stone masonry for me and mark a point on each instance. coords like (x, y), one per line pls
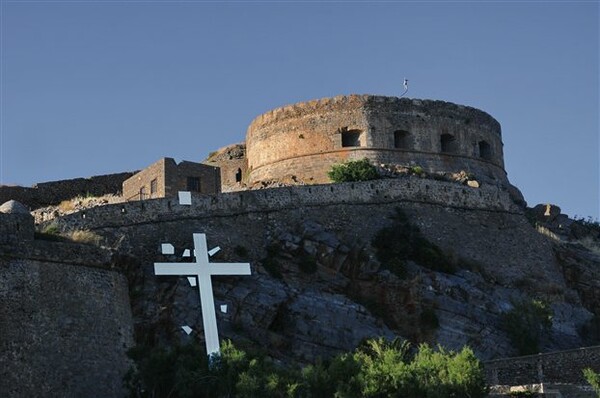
(165, 178)
(306, 139)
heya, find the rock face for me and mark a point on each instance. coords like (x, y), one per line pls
(318, 287)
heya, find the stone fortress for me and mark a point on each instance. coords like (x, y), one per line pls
(293, 146)
(301, 142)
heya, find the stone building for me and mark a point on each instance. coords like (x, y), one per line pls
(165, 178)
(304, 140)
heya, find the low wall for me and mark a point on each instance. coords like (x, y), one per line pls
(408, 189)
(54, 192)
(555, 367)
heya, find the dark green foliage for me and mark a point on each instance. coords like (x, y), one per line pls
(273, 267)
(429, 318)
(526, 323)
(240, 251)
(50, 237)
(354, 170)
(376, 369)
(308, 264)
(417, 170)
(270, 261)
(403, 241)
(593, 378)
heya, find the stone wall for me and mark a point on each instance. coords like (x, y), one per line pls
(54, 192)
(165, 178)
(408, 189)
(234, 168)
(335, 223)
(15, 227)
(307, 138)
(555, 367)
(66, 322)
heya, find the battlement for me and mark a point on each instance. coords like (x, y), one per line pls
(345, 102)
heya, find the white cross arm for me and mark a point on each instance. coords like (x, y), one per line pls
(229, 269)
(175, 268)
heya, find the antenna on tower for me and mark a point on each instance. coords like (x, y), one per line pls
(405, 87)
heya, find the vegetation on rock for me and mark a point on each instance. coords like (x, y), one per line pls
(376, 369)
(354, 170)
(526, 323)
(593, 378)
(403, 241)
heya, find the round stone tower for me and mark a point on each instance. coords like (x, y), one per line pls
(306, 139)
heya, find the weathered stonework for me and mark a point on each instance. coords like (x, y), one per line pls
(234, 168)
(15, 228)
(335, 224)
(53, 192)
(305, 139)
(165, 178)
(66, 322)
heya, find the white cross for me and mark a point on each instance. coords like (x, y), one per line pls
(204, 270)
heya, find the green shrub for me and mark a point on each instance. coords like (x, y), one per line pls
(354, 170)
(403, 241)
(526, 323)
(429, 319)
(376, 369)
(418, 170)
(273, 267)
(308, 264)
(593, 378)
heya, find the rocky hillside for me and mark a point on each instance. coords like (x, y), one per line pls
(326, 277)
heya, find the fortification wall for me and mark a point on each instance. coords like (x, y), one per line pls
(305, 139)
(15, 228)
(487, 233)
(555, 367)
(408, 189)
(54, 192)
(234, 168)
(66, 322)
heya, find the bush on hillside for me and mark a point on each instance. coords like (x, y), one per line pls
(526, 323)
(354, 170)
(403, 241)
(376, 369)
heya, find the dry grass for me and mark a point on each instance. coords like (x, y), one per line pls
(85, 236)
(66, 206)
(545, 231)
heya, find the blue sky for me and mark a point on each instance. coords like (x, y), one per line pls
(97, 87)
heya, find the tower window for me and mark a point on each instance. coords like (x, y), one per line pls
(448, 143)
(153, 186)
(402, 139)
(238, 175)
(350, 138)
(485, 150)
